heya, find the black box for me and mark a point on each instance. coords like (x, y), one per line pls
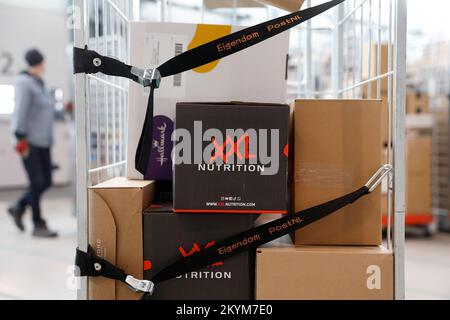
(169, 236)
(231, 158)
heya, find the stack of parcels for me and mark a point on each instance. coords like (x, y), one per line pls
(147, 230)
(134, 227)
(420, 122)
(275, 160)
(217, 196)
(418, 174)
(339, 257)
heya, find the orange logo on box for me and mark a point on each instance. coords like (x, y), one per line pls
(286, 151)
(147, 265)
(221, 150)
(196, 248)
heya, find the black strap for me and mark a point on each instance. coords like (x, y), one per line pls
(89, 264)
(256, 237)
(143, 150)
(191, 59)
(90, 62)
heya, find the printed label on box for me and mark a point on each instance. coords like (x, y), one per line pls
(160, 164)
(159, 48)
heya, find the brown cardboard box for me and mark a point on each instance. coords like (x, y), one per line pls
(418, 181)
(324, 273)
(417, 103)
(370, 65)
(337, 150)
(384, 112)
(384, 203)
(115, 232)
(385, 207)
(385, 120)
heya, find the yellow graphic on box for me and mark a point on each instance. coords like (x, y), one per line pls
(206, 33)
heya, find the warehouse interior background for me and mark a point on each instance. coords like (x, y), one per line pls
(42, 268)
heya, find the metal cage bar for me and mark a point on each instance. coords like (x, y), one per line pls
(101, 104)
(81, 148)
(354, 27)
(399, 147)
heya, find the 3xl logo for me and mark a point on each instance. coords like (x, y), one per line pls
(196, 248)
(242, 150)
(230, 148)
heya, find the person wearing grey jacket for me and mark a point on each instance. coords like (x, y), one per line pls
(32, 129)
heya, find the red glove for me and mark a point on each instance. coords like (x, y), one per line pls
(22, 147)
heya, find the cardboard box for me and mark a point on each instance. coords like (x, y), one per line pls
(234, 158)
(324, 273)
(169, 236)
(115, 232)
(384, 203)
(384, 200)
(244, 76)
(418, 181)
(385, 120)
(417, 102)
(337, 150)
(370, 65)
(384, 111)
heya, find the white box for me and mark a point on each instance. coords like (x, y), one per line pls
(257, 74)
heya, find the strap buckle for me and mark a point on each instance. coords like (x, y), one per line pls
(378, 177)
(142, 286)
(147, 77)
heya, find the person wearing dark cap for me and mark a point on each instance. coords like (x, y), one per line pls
(32, 129)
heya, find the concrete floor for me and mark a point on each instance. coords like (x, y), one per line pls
(35, 268)
(39, 269)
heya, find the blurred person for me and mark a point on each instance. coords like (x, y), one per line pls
(32, 129)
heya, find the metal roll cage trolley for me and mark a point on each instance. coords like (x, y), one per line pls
(101, 100)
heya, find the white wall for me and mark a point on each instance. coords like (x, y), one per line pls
(40, 24)
(43, 28)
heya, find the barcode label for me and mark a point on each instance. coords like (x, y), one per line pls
(177, 78)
